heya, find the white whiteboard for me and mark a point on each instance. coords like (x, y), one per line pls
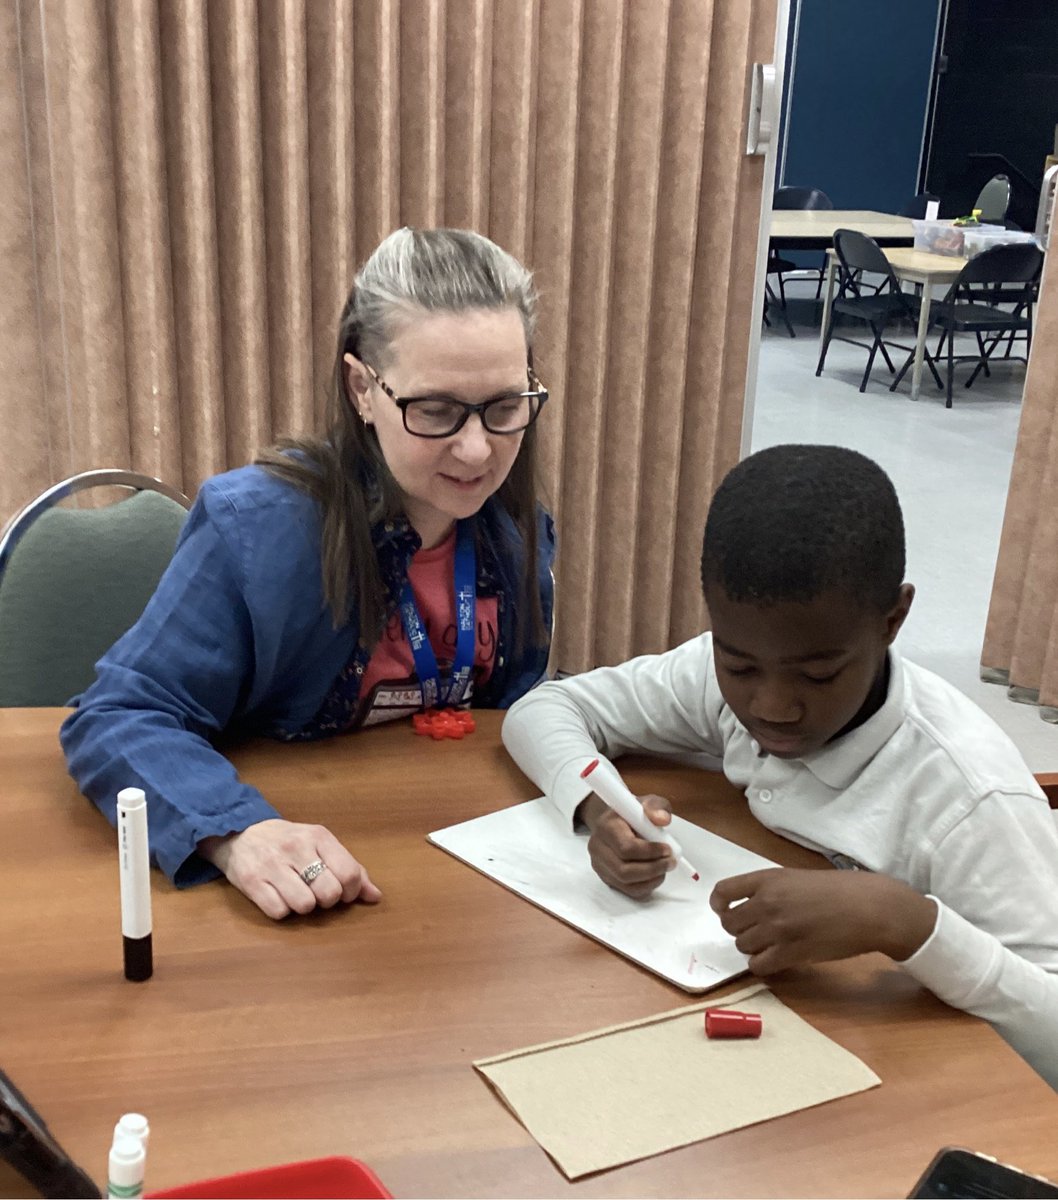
(675, 933)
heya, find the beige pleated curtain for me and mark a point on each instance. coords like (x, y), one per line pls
(1021, 635)
(188, 186)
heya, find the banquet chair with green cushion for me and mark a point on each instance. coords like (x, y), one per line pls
(73, 580)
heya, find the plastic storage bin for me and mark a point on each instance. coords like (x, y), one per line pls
(987, 236)
(938, 237)
(944, 237)
(316, 1179)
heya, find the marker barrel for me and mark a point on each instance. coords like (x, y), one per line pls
(125, 1169)
(608, 785)
(135, 875)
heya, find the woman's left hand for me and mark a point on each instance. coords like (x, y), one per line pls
(784, 918)
(267, 860)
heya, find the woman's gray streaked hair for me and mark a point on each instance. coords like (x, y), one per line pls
(431, 270)
(413, 271)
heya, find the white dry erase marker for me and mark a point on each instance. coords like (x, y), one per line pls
(135, 870)
(125, 1168)
(608, 785)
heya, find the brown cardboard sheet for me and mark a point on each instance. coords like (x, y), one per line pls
(616, 1095)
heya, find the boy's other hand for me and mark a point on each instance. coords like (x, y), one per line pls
(620, 857)
(784, 918)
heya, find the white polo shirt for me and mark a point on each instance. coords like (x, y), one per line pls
(929, 790)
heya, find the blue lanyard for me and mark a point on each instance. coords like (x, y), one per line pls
(422, 652)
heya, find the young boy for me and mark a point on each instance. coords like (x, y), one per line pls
(840, 745)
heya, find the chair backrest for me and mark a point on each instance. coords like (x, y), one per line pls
(1020, 262)
(801, 199)
(858, 252)
(994, 199)
(72, 581)
(551, 670)
(916, 206)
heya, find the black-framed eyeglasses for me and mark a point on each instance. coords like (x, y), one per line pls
(443, 416)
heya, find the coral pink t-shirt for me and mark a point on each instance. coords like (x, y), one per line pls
(390, 687)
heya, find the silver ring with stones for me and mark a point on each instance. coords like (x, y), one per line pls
(314, 870)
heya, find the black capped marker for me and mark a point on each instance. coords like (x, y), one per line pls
(135, 870)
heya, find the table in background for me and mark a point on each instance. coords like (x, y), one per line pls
(813, 229)
(909, 266)
(353, 1032)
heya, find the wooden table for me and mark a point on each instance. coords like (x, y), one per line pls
(909, 266)
(353, 1032)
(814, 229)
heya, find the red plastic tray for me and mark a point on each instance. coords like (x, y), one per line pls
(316, 1179)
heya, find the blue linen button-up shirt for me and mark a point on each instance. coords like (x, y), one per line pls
(239, 639)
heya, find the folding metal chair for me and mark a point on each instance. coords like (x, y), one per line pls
(971, 306)
(857, 253)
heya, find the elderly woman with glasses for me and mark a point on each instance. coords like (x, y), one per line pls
(399, 562)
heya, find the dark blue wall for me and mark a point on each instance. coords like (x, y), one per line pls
(858, 98)
(1002, 70)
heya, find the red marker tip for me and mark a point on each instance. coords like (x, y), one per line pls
(589, 768)
(696, 877)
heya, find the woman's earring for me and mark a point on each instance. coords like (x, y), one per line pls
(350, 361)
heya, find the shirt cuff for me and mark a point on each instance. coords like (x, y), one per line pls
(957, 962)
(177, 855)
(570, 788)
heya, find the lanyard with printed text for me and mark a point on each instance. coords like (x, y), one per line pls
(425, 660)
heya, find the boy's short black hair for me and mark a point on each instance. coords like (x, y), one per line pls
(793, 521)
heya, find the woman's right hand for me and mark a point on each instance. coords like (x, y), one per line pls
(621, 858)
(265, 862)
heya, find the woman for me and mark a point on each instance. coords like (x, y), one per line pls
(300, 585)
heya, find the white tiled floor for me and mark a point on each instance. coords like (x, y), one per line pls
(951, 469)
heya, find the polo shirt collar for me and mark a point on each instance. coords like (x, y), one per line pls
(840, 762)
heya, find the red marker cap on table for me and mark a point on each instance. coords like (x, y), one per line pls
(727, 1023)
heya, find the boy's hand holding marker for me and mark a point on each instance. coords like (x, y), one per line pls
(621, 858)
(646, 826)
